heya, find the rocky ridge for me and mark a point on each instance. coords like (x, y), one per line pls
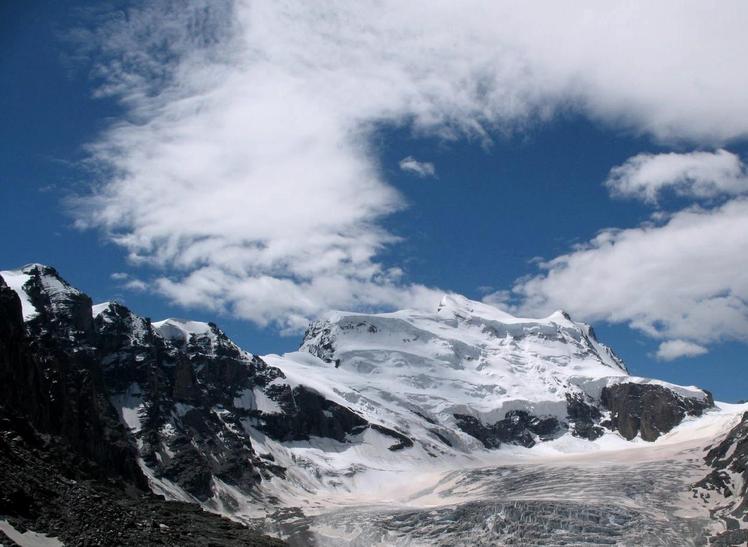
(68, 467)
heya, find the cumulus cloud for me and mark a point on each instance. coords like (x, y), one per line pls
(673, 349)
(243, 166)
(681, 279)
(420, 168)
(694, 174)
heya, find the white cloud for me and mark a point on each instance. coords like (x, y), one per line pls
(420, 168)
(683, 279)
(695, 174)
(136, 285)
(673, 349)
(244, 166)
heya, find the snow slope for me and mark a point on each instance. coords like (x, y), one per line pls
(16, 279)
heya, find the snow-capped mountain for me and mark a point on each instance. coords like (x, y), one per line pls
(368, 400)
(460, 372)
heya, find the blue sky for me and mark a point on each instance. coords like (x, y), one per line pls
(525, 185)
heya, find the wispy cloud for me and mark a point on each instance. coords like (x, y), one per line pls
(694, 174)
(244, 168)
(126, 281)
(421, 168)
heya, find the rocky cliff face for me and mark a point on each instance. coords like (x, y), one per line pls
(52, 376)
(725, 488)
(649, 410)
(175, 391)
(68, 466)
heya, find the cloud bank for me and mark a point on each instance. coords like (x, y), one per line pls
(243, 167)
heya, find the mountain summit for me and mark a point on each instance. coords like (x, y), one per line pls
(459, 372)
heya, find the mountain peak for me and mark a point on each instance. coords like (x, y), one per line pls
(456, 305)
(40, 287)
(40, 269)
(461, 306)
(467, 358)
(182, 329)
(98, 309)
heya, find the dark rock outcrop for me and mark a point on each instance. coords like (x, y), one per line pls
(584, 417)
(305, 414)
(325, 346)
(517, 427)
(648, 409)
(635, 409)
(48, 488)
(403, 441)
(728, 480)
